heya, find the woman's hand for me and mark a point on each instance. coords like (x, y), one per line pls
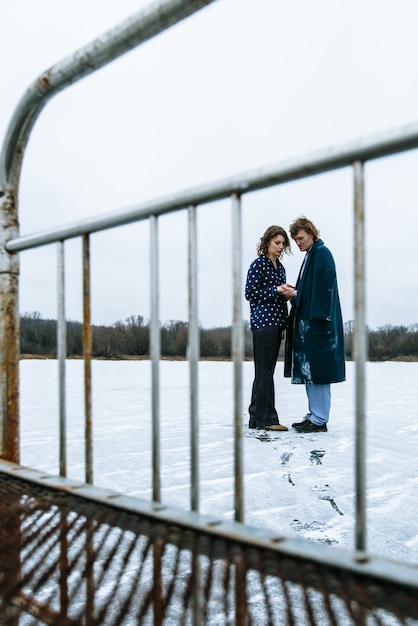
(287, 291)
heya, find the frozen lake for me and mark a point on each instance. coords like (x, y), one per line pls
(295, 484)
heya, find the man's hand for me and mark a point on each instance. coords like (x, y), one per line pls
(288, 291)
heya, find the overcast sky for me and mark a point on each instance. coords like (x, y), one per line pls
(240, 85)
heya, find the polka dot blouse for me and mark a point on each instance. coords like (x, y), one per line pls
(267, 306)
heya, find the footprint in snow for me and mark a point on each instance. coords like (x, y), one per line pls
(296, 524)
(325, 493)
(261, 435)
(316, 456)
(288, 476)
(328, 540)
(314, 526)
(284, 460)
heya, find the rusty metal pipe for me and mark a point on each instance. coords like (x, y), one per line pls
(87, 355)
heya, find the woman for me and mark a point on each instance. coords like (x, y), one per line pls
(268, 317)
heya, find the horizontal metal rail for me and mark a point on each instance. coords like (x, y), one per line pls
(354, 561)
(76, 554)
(366, 149)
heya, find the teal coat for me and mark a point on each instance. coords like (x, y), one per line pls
(315, 350)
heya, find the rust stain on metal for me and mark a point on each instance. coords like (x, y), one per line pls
(43, 82)
(10, 367)
(8, 210)
(87, 353)
(9, 333)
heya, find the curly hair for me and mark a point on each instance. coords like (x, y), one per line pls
(271, 233)
(302, 223)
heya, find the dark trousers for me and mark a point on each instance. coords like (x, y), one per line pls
(266, 346)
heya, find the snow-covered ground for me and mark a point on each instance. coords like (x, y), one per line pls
(294, 483)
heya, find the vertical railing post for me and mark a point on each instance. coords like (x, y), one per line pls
(155, 360)
(10, 527)
(360, 355)
(237, 354)
(238, 357)
(9, 331)
(87, 355)
(62, 354)
(193, 354)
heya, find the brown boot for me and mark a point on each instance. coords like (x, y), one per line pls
(276, 427)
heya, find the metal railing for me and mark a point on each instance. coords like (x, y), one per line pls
(73, 555)
(353, 155)
(131, 33)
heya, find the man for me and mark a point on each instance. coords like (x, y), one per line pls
(315, 354)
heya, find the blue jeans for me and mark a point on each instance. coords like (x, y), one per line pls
(319, 403)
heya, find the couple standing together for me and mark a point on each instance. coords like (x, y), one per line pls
(314, 349)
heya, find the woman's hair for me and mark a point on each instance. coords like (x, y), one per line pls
(302, 223)
(271, 233)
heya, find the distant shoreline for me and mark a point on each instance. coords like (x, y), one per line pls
(43, 357)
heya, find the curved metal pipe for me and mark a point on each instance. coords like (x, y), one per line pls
(135, 30)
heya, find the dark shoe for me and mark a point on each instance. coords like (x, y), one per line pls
(252, 425)
(299, 424)
(275, 427)
(310, 427)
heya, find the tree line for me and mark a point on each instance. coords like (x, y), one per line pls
(131, 338)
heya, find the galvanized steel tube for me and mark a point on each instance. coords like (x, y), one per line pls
(261, 178)
(360, 355)
(61, 353)
(193, 355)
(155, 350)
(237, 354)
